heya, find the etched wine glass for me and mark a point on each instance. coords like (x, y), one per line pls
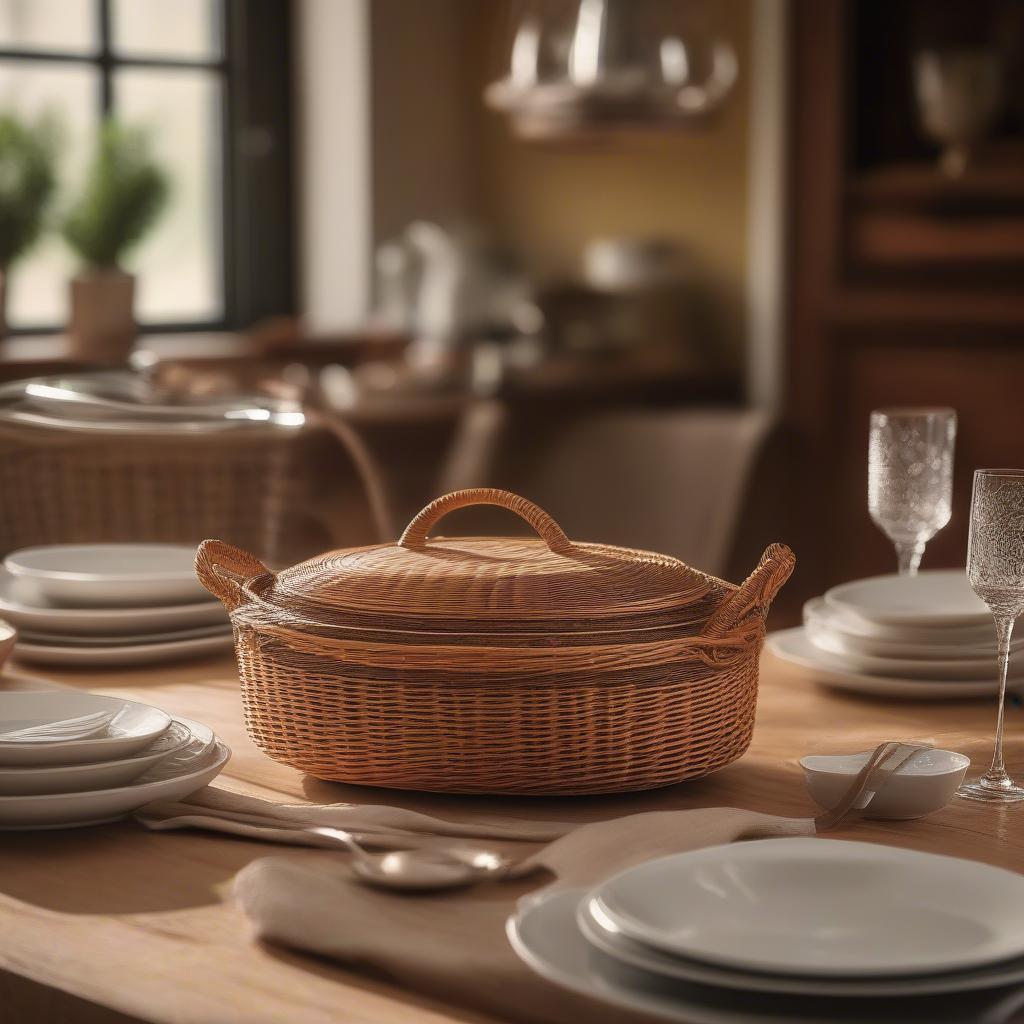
(995, 567)
(910, 477)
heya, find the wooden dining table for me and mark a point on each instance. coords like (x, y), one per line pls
(114, 923)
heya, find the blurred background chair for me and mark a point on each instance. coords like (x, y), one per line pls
(705, 485)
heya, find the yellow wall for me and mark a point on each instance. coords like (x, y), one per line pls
(549, 201)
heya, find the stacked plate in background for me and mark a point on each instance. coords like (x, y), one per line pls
(927, 636)
(780, 929)
(69, 758)
(110, 604)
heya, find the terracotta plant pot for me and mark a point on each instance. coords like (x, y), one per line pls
(102, 328)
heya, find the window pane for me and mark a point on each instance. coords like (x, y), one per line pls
(38, 288)
(187, 29)
(179, 265)
(57, 25)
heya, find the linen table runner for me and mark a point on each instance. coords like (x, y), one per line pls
(452, 946)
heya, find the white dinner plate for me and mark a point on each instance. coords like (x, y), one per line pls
(954, 665)
(850, 624)
(108, 575)
(122, 654)
(963, 669)
(938, 597)
(811, 907)
(173, 636)
(47, 618)
(949, 667)
(794, 646)
(73, 778)
(636, 954)
(544, 935)
(172, 779)
(842, 634)
(135, 728)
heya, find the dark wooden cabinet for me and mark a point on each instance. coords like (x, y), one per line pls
(906, 288)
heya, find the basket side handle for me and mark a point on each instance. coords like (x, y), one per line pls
(756, 592)
(226, 570)
(415, 535)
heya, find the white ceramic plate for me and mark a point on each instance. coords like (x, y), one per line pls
(173, 636)
(811, 907)
(123, 654)
(74, 778)
(851, 624)
(109, 575)
(644, 958)
(952, 666)
(793, 646)
(200, 763)
(963, 669)
(544, 935)
(933, 598)
(137, 727)
(44, 618)
(842, 634)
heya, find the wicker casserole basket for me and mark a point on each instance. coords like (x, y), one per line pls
(496, 665)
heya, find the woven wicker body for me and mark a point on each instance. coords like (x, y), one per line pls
(585, 669)
(284, 493)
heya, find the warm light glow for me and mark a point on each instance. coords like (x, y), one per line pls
(585, 59)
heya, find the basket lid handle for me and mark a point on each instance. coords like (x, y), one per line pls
(226, 570)
(415, 535)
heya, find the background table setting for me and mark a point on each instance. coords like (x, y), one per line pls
(522, 781)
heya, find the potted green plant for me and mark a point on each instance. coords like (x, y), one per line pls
(27, 183)
(124, 194)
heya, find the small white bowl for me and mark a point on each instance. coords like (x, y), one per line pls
(107, 575)
(924, 784)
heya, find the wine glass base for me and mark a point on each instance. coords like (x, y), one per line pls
(1003, 792)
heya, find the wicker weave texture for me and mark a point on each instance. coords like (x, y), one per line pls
(611, 736)
(600, 704)
(281, 495)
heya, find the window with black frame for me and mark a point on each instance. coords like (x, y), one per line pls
(208, 79)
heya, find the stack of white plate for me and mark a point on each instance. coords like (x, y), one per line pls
(787, 929)
(927, 636)
(132, 755)
(109, 604)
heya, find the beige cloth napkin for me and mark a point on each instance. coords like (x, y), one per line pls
(452, 946)
(363, 819)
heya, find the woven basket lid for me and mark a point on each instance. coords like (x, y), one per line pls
(484, 585)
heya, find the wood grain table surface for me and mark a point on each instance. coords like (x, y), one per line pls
(114, 923)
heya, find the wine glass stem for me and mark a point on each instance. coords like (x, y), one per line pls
(908, 554)
(1004, 631)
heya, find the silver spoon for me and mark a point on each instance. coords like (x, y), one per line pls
(416, 869)
(420, 869)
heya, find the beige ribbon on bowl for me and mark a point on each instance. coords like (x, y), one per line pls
(885, 761)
